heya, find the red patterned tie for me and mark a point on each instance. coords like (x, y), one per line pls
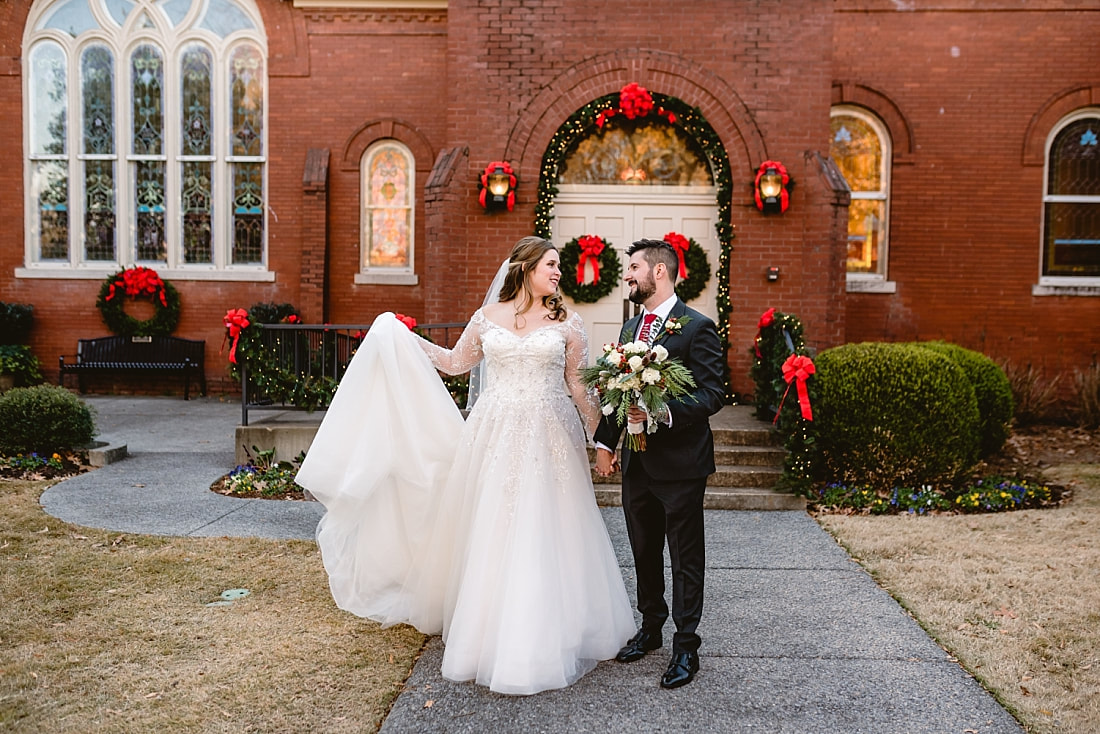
(647, 321)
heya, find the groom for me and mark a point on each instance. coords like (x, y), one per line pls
(663, 486)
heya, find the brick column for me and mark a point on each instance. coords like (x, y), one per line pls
(314, 265)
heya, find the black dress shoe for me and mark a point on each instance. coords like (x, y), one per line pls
(681, 670)
(638, 645)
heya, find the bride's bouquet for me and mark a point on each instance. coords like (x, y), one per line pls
(636, 374)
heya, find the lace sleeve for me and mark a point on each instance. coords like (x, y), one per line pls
(466, 353)
(576, 357)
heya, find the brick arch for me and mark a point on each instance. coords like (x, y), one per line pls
(1055, 108)
(885, 109)
(657, 71)
(387, 128)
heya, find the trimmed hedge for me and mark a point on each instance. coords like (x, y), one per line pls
(893, 415)
(43, 419)
(991, 388)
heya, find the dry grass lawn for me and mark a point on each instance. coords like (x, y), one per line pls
(112, 633)
(1014, 596)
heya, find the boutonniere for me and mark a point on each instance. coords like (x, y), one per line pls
(674, 325)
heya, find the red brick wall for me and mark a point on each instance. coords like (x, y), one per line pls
(966, 208)
(496, 80)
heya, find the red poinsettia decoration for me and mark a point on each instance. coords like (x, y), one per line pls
(489, 170)
(591, 249)
(634, 101)
(681, 245)
(137, 282)
(766, 319)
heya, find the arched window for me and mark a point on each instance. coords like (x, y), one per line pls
(388, 185)
(146, 124)
(860, 147)
(639, 151)
(1071, 201)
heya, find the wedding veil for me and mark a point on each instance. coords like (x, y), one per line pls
(478, 378)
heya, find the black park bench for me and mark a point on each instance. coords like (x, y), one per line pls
(129, 353)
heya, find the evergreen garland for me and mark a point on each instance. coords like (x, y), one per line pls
(691, 120)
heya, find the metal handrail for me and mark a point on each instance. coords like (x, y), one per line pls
(315, 351)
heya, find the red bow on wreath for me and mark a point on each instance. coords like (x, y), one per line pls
(634, 101)
(784, 196)
(236, 321)
(408, 321)
(136, 282)
(489, 169)
(766, 319)
(681, 245)
(591, 249)
(797, 369)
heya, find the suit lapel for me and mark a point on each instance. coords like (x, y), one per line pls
(678, 310)
(630, 328)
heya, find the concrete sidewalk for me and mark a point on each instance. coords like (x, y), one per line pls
(796, 636)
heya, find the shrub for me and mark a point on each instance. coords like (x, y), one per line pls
(991, 388)
(1087, 384)
(17, 360)
(16, 320)
(780, 336)
(43, 419)
(1035, 396)
(893, 415)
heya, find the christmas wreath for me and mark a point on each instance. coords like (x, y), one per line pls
(694, 267)
(577, 257)
(134, 283)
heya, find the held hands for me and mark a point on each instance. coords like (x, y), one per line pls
(606, 462)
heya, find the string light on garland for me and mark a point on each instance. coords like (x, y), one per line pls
(691, 120)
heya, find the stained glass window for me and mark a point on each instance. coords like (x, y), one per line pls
(388, 207)
(860, 148)
(151, 154)
(640, 151)
(1071, 243)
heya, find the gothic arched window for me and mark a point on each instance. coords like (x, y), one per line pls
(388, 185)
(860, 147)
(1071, 200)
(146, 124)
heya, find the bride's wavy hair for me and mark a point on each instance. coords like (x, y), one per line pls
(525, 256)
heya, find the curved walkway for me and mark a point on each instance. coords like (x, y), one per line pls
(796, 636)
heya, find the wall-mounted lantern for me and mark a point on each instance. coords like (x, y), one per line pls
(772, 187)
(498, 186)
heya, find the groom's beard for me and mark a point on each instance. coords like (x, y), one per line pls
(643, 289)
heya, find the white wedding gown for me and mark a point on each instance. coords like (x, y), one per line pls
(484, 530)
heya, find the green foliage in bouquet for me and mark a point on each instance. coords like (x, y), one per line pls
(635, 374)
(16, 320)
(18, 361)
(991, 388)
(780, 336)
(893, 415)
(43, 419)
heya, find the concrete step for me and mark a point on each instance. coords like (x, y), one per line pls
(734, 455)
(719, 498)
(727, 475)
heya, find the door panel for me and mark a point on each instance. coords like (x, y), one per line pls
(621, 223)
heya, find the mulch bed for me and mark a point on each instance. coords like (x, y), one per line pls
(220, 486)
(72, 463)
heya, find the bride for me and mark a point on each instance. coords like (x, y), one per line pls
(485, 530)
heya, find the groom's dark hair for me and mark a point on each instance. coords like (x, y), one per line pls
(657, 251)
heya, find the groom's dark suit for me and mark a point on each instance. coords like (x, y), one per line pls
(663, 486)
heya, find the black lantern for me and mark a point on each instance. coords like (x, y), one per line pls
(498, 186)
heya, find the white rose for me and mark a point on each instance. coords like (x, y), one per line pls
(608, 409)
(635, 363)
(650, 376)
(636, 348)
(660, 352)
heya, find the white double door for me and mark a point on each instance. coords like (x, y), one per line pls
(620, 215)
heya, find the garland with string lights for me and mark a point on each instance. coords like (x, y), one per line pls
(691, 120)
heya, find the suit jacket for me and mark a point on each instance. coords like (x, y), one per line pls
(686, 449)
